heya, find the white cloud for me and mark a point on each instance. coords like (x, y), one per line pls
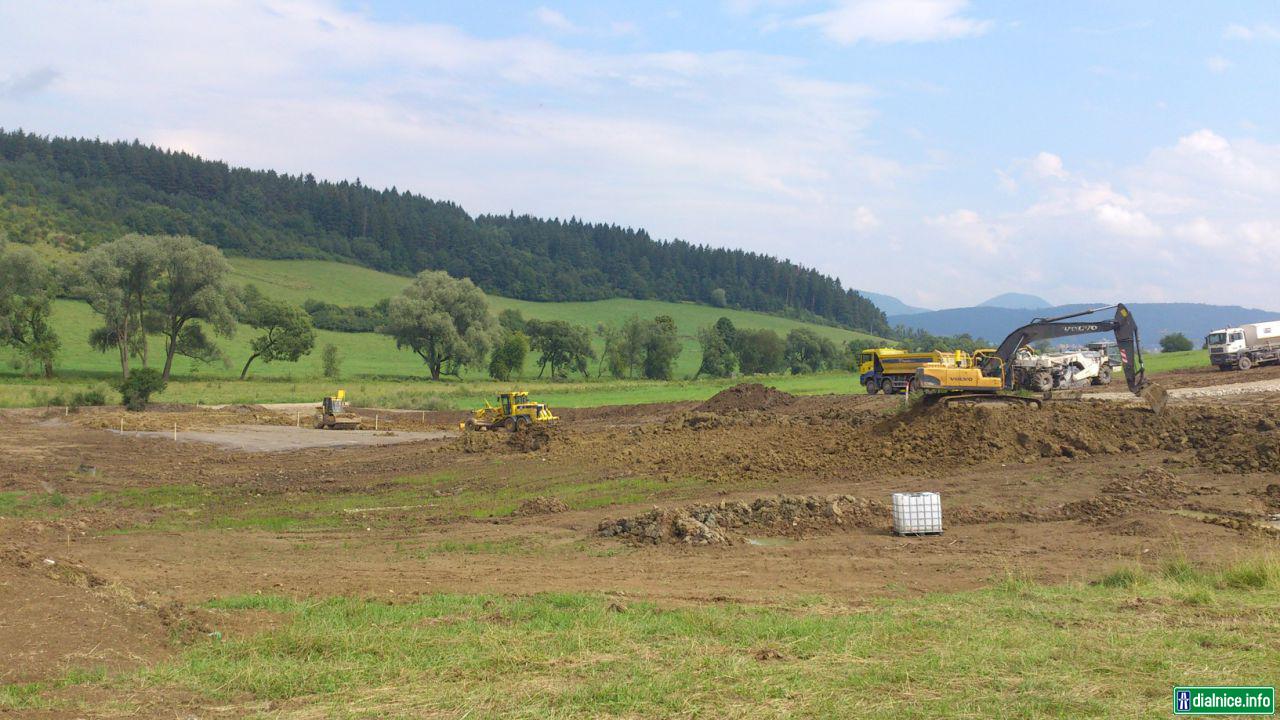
(1125, 222)
(1145, 232)
(1048, 165)
(891, 21)
(864, 219)
(971, 231)
(554, 19)
(1218, 64)
(1260, 31)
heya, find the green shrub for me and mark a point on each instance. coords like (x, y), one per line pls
(330, 360)
(95, 397)
(136, 391)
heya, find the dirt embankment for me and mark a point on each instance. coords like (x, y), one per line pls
(821, 438)
(59, 614)
(728, 522)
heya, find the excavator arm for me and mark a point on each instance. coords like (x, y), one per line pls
(1122, 325)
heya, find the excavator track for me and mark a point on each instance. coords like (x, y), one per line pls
(985, 399)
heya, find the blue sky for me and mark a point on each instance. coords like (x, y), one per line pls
(939, 150)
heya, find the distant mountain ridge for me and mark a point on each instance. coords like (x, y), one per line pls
(890, 304)
(1155, 320)
(1017, 301)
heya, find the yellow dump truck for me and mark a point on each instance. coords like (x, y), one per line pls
(891, 370)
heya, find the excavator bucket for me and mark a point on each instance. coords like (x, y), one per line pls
(1156, 396)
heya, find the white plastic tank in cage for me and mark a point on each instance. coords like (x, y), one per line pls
(917, 513)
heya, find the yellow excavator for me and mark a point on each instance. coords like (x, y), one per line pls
(994, 378)
(512, 412)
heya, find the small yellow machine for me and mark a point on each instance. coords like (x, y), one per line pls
(512, 411)
(332, 414)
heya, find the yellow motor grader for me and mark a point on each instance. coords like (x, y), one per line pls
(513, 411)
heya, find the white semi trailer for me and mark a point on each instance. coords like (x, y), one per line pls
(1245, 346)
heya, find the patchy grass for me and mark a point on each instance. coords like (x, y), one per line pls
(1112, 649)
(438, 495)
(1164, 362)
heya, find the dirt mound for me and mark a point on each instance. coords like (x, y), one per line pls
(1151, 484)
(185, 417)
(541, 506)
(531, 437)
(93, 623)
(1270, 495)
(747, 396)
(730, 521)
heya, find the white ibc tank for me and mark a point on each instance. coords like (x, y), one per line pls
(917, 513)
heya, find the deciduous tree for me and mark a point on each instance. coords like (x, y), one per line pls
(191, 285)
(445, 320)
(118, 277)
(562, 346)
(26, 300)
(286, 329)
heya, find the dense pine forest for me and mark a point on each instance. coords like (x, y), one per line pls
(81, 192)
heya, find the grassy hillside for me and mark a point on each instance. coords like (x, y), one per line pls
(300, 280)
(372, 367)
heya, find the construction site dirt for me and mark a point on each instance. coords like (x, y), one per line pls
(110, 539)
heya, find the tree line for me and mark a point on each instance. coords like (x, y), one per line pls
(141, 286)
(81, 193)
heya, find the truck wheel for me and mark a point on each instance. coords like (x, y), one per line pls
(1104, 376)
(872, 387)
(886, 387)
(1245, 362)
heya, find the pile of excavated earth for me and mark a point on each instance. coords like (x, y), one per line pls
(728, 522)
(821, 437)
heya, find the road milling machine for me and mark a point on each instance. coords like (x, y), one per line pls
(997, 377)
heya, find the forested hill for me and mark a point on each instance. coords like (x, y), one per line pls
(87, 191)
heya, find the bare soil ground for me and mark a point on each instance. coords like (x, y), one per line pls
(107, 539)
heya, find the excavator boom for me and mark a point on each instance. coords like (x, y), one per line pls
(1122, 324)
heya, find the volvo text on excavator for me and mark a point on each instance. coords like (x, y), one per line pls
(996, 378)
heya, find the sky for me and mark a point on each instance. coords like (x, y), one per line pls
(941, 151)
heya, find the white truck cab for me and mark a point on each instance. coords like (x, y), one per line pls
(1226, 340)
